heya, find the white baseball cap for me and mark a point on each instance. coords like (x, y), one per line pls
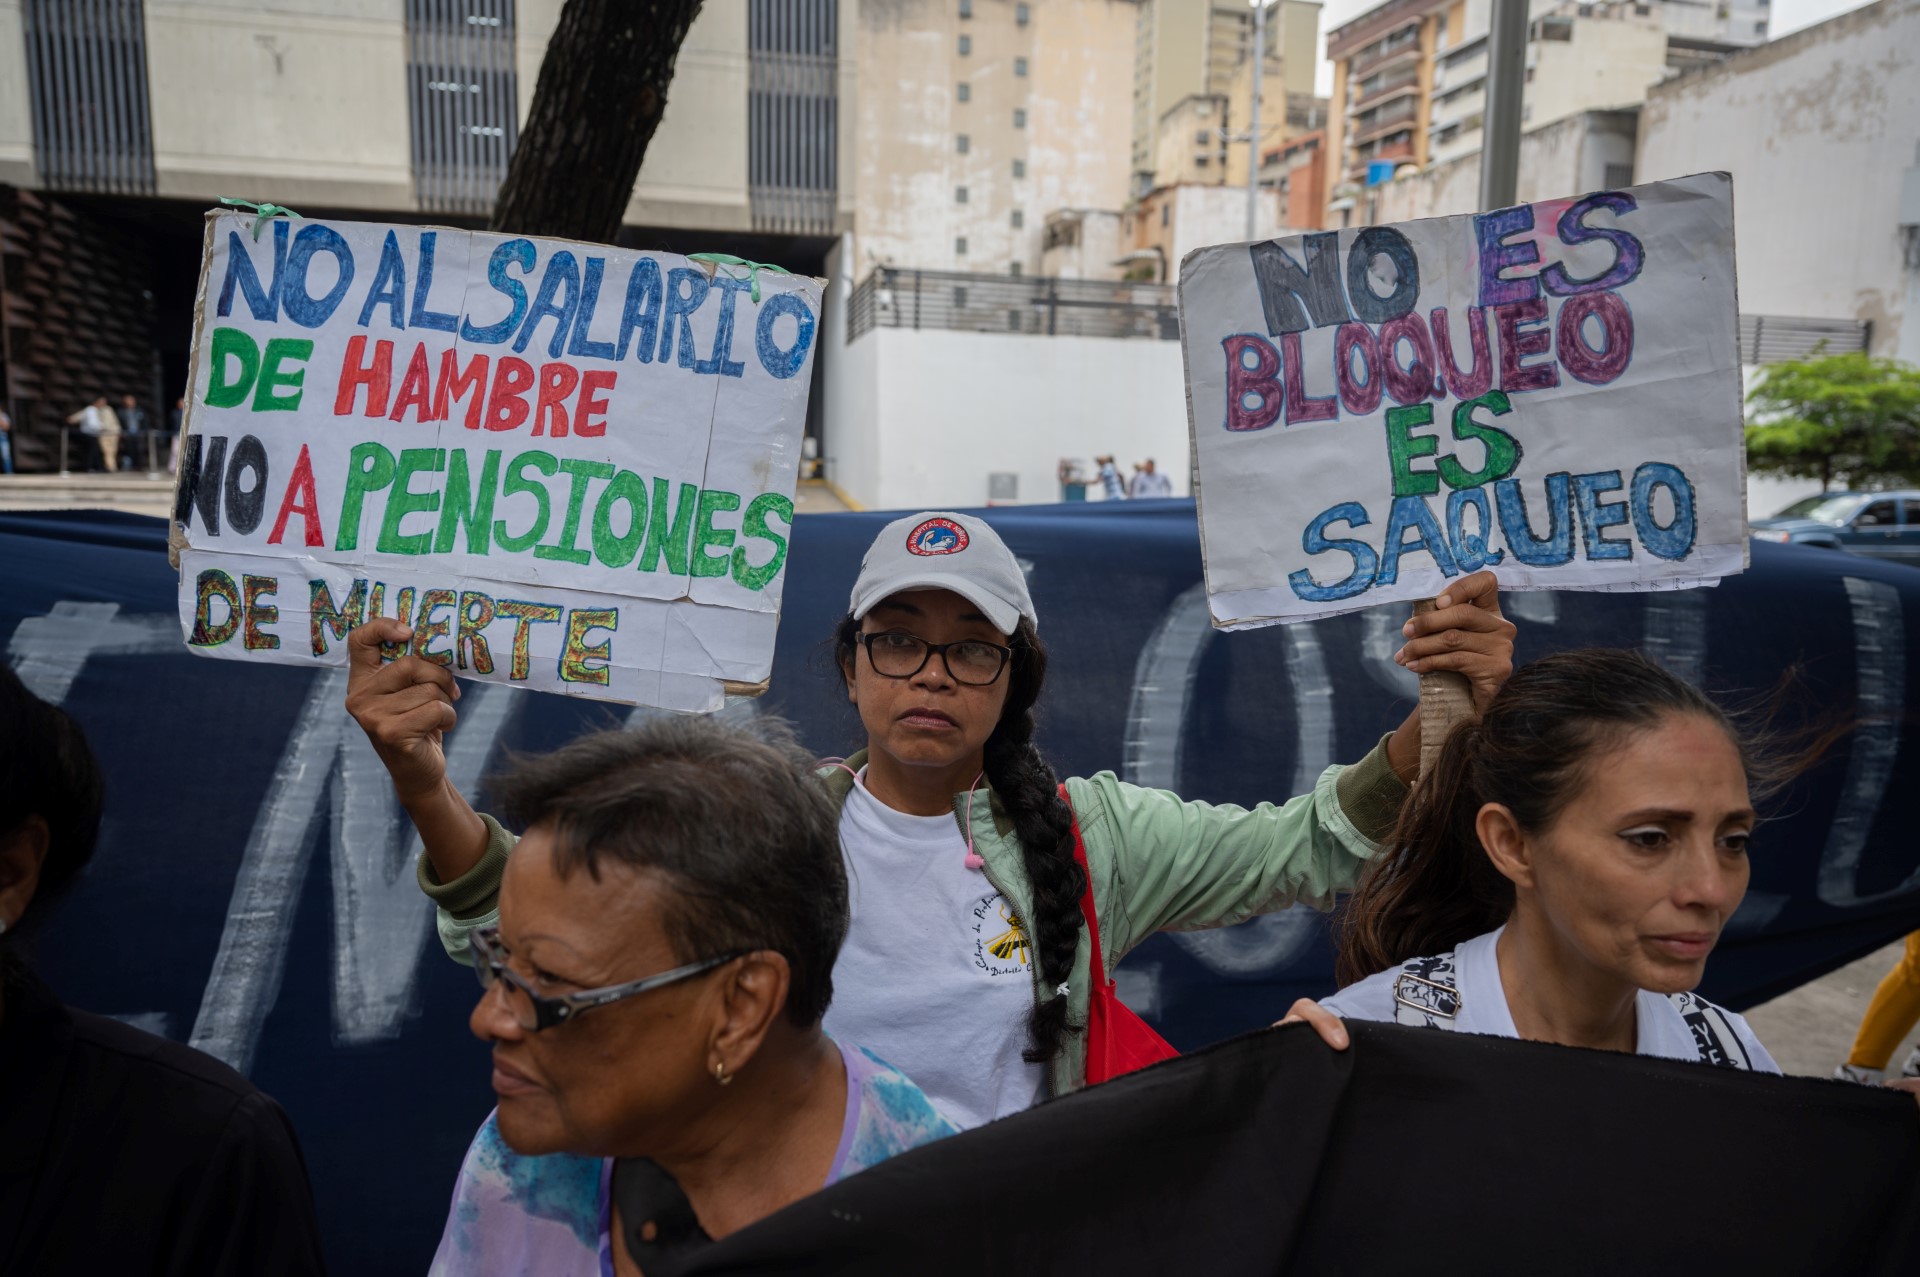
(941, 550)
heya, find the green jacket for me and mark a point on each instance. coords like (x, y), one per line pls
(1158, 863)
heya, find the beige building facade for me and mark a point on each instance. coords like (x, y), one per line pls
(1409, 76)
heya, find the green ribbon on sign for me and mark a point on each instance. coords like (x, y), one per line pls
(263, 213)
(718, 260)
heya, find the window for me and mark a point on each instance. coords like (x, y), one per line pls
(1019, 168)
(1880, 514)
(960, 246)
(1019, 117)
(959, 194)
(1619, 175)
(1760, 27)
(1013, 269)
(964, 93)
(1020, 65)
(1018, 219)
(966, 45)
(959, 299)
(1021, 14)
(966, 8)
(1166, 211)
(960, 144)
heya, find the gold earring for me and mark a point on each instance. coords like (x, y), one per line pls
(720, 1073)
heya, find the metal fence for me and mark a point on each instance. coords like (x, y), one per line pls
(1769, 339)
(87, 65)
(463, 91)
(891, 298)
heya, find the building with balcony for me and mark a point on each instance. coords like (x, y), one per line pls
(1410, 75)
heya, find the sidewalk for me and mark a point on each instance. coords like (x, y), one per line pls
(133, 492)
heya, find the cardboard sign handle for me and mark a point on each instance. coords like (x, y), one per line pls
(1445, 700)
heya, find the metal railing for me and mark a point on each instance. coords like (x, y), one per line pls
(1035, 305)
(1770, 339)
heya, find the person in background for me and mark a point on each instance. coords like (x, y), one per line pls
(120, 1152)
(6, 442)
(101, 427)
(653, 993)
(133, 422)
(976, 873)
(1891, 1015)
(175, 420)
(1110, 483)
(1564, 870)
(1149, 482)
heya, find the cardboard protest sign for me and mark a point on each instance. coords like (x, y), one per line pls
(1550, 390)
(566, 466)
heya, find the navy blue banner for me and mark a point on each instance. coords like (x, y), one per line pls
(254, 895)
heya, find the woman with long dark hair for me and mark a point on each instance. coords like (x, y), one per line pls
(967, 964)
(1566, 867)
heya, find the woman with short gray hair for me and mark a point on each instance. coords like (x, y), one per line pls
(653, 991)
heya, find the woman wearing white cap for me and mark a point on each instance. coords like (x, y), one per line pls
(967, 965)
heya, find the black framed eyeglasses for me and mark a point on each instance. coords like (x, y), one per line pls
(536, 1012)
(897, 654)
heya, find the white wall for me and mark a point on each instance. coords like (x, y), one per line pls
(297, 102)
(919, 419)
(1817, 130)
(16, 112)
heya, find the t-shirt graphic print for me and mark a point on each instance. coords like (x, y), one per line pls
(936, 974)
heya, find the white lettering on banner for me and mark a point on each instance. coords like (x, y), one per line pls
(565, 466)
(1552, 390)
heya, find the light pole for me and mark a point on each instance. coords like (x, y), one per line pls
(1253, 116)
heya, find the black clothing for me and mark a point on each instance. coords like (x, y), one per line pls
(124, 1153)
(1411, 1152)
(662, 1232)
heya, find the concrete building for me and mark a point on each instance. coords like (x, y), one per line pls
(1821, 131)
(985, 144)
(1193, 86)
(1410, 75)
(977, 118)
(1297, 169)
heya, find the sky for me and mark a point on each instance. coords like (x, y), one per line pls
(1788, 16)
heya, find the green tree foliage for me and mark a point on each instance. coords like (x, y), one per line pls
(1847, 419)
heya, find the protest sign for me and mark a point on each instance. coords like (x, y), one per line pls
(566, 466)
(1550, 390)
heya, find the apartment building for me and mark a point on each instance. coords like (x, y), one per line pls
(1410, 75)
(978, 118)
(1193, 87)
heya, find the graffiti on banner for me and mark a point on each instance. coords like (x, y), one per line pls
(565, 466)
(1552, 390)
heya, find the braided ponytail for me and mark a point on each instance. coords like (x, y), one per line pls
(1028, 789)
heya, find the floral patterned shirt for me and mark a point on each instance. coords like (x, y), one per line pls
(552, 1216)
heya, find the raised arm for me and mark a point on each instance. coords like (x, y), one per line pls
(406, 707)
(1184, 865)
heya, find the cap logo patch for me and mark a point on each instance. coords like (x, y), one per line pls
(937, 536)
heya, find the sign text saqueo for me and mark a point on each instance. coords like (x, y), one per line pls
(566, 466)
(1552, 390)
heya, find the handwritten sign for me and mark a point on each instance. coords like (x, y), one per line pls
(1550, 390)
(566, 466)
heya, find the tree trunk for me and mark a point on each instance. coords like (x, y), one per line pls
(601, 93)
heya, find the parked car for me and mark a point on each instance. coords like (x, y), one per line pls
(1877, 525)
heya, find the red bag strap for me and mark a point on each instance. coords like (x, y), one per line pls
(1099, 967)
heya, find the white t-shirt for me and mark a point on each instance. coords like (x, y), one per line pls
(1483, 1007)
(935, 977)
